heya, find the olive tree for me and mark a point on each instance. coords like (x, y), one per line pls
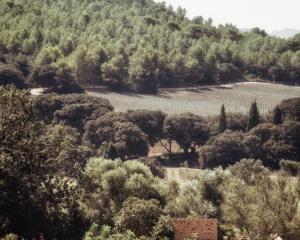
(264, 206)
(188, 130)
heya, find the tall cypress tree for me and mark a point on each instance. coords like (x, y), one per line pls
(222, 120)
(277, 116)
(253, 120)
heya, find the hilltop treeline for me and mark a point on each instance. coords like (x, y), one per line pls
(134, 44)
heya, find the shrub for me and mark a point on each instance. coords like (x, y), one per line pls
(150, 122)
(138, 215)
(48, 55)
(226, 149)
(11, 75)
(290, 167)
(227, 72)
(290, 109)
(188, 130)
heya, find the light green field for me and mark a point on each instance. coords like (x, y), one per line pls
(204, 101)
(181, 175)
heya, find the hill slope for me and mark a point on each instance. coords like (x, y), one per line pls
(137, 44)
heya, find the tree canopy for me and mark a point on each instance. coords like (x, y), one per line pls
(139, 45)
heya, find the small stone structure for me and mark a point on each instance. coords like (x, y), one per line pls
(195, 228)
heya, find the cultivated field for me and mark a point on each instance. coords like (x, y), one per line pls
(205, 101)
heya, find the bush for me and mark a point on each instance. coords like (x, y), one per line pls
(67, 108)
(41, 163)
(22, 63)
(11, 236)
(188, 130)
(271, 143)
(290, 109)
(226, 149)
(48, 55)
(290, 167)
(227, 72)
(150, 122)
(237, 122)
(139, 216)
(130, 141)
(107, 233)
(11, 75)
(55, 80)
(163, 229)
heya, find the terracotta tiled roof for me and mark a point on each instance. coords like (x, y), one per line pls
(198, 228)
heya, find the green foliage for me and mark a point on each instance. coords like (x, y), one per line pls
(11, 75)
(277, 116)
(113, 136)
(237, 122)
(130, 141)
(119, 180)
(128, 192)
(222, 120)
(106, 233)
(56, 79)
(249, 170)
(189, 202)
(290, 167)
(144, 70)
(267, 142)
(73, 110)
(48, 55)
(228, 72)
(88, 65)
(234, 122)
(44, 169)
(227, 148)
(163, 229)
(150, 122)
(138, 215)
(271, 143)
(11, 236)
(114, 72)
(141, 45)
(290, 109)
(254, 118)
(252, 206)
(188, 130)
(209, 184)
(40, 163)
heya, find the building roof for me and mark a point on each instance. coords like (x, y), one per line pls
(198, 228)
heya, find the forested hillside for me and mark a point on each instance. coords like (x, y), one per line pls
(132, 44)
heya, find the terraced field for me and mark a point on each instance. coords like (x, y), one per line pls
(204, 101)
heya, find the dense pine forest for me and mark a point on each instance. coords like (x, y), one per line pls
(132, 45)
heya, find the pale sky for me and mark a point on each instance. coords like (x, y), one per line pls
(266, 14)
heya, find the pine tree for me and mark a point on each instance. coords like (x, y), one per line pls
(253, 120)
(222, 120)
(277, 116)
